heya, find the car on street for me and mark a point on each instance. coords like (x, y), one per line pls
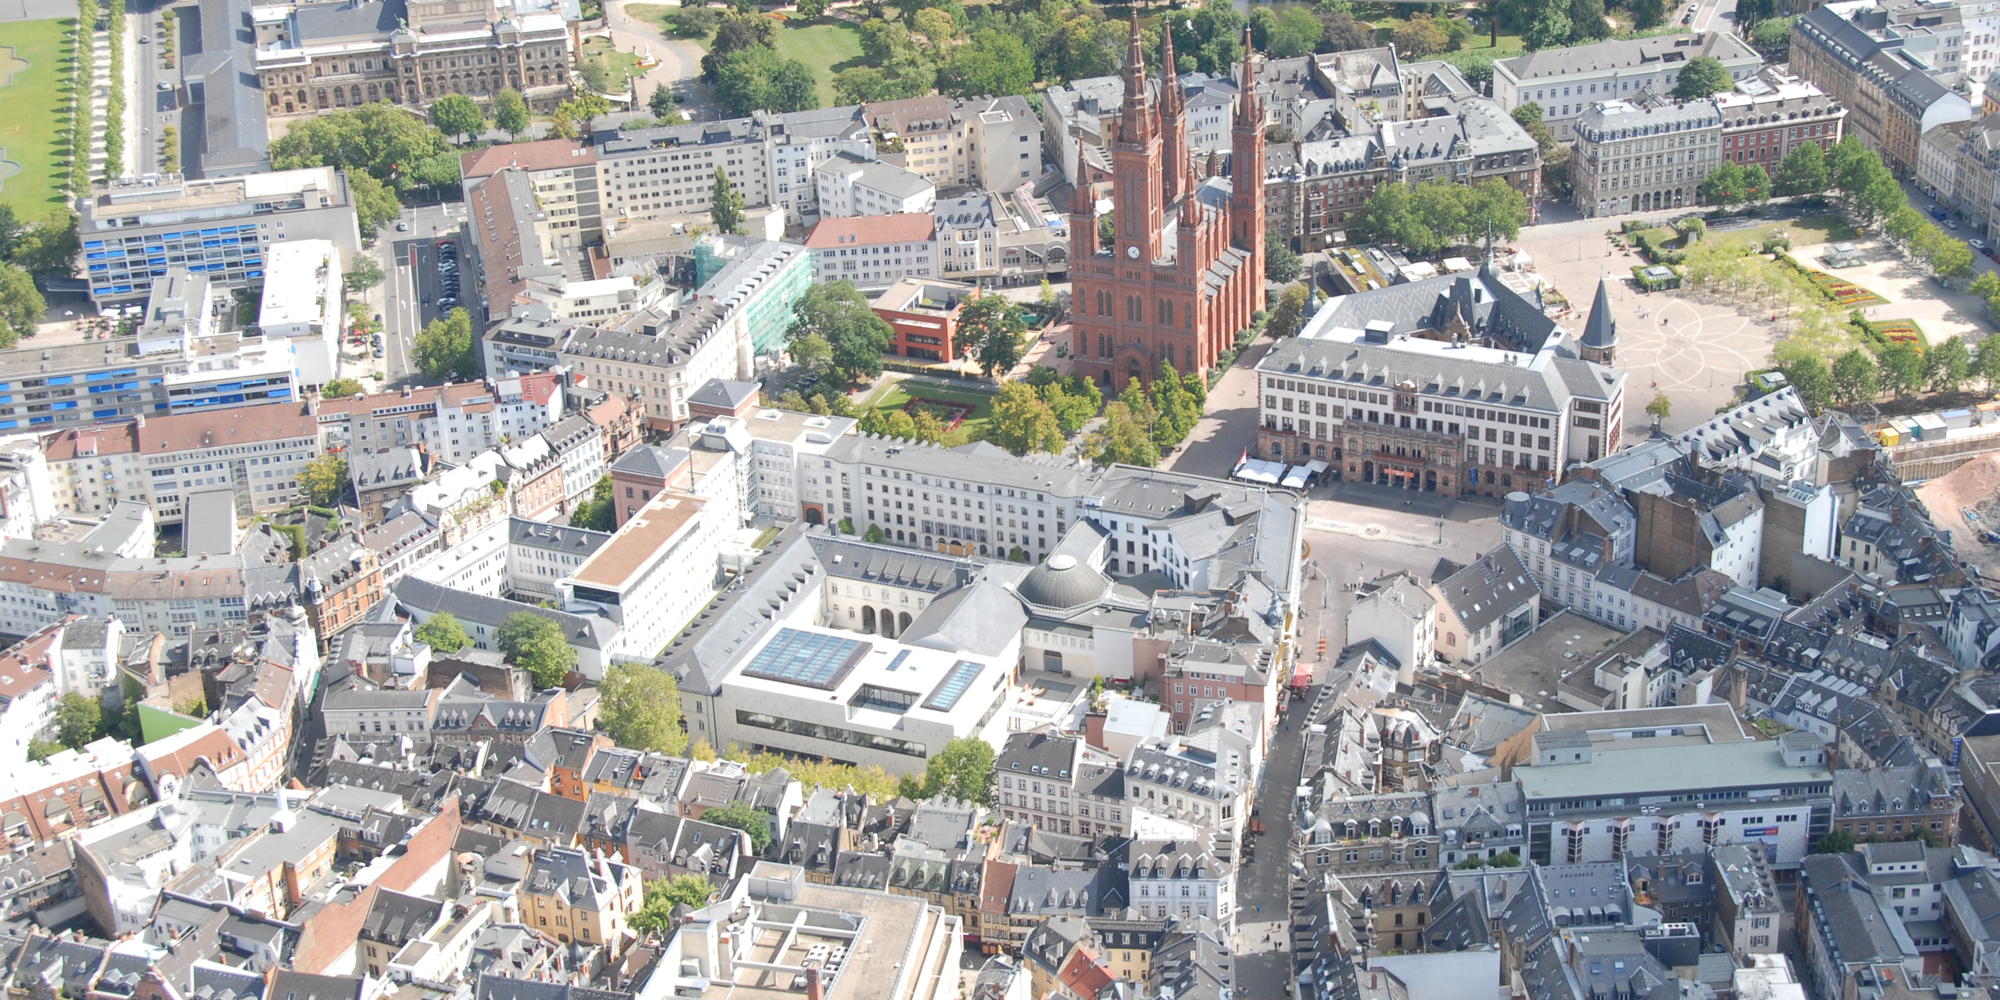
(1951, 224)
(378, 352)
(427, 300)
(1937, 212)
(143, 39)
(447, 302)
(403, 226)
(166, 85)
(1977, 244)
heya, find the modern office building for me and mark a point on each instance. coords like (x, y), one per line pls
(177, 363)
(301, 307)
(851, 185)
(220, 228)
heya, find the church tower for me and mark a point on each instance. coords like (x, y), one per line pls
(1173, 119)
(1600, 332)
(1136, 165)
(1246, 175)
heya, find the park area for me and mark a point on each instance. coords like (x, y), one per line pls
(605, 68)
(957, 408)
(34, 96)
(826, 44)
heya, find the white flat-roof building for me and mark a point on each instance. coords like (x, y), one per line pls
(301, 306)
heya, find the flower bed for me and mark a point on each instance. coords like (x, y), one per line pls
(1844, 293)
(948, 413)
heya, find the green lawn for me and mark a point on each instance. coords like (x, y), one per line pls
(33, 115)
(604, 67)
(980, 400)
(1806, 231)
(665, 18)
(827, 45)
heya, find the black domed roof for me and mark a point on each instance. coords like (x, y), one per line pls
(1063, 582)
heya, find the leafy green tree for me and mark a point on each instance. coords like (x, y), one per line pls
(365, 273)
(1808, 374)
(1660, 408)
(839, 314)
(1703, 76)
(1422, 36)
(1773, 35)
(443, 634)
(661, 104)
(1902, 369)
(992, 326)
(1289, 312)
(757, 78)
(663, 894)
(10, 233)
(445, 350)
(1123, 438)
(736, 33)
(510, 113)
(1802, 172)
(600, 511)
(1344, 34)
(78, 719)
(962, 770)
(1586, 19)
(340, 388)
(40, 749)
(1209, 39)
(1023, 421)
(1071, 411)
(537, 645)
(641, 708)
(381, 139)
(325, 480)
(1281, 264)
(1731, 183)
(742, 816)
(1289, 32)
(992, 64)
(1948, 364)
(725, 203)
(375, 205)
(457, 114)
(1834, 842)
(1903, 224)
(21, 305)
(1986, 362)
(1551, 26)
(1854, 377)
(1946, 255)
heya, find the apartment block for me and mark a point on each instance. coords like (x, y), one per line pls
(563, 174)
(1892, 65)
(133, 232)
(874, 250)
(1566, 82)
(851, 185)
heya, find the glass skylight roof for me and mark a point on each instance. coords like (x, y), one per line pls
(947, 694)
(811, 659)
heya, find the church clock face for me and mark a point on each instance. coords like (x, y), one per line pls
(1132, 252)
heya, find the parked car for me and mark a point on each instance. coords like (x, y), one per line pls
(1951, 224)
(427, 300)
(166, 85)
(1977, 244)
(402, 226)
(143, 39)
(1937, 212)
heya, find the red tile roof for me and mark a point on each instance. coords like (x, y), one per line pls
(903, 227)
(547, 154)
(117, 439)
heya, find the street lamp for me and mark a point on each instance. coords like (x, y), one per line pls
(1440, 529)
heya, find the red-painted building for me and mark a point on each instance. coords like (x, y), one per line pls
(924, 315)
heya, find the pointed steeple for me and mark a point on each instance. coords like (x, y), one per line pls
(1600, 331)
(1136, 124)
(1173, 119)
(1170, 89)
(1249, 107)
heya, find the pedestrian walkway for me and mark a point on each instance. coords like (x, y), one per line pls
(100, 99)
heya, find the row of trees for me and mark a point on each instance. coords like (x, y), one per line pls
(1041, 413)
(1431, 216)
(1901, 369)
(1145, 421)
(1945, 255)
(114, 102)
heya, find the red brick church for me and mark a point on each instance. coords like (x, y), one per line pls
(1187, 268)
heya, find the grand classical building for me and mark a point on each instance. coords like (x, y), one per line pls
(312, 57)
(1186, 269)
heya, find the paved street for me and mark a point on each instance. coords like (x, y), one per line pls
(400, 297)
